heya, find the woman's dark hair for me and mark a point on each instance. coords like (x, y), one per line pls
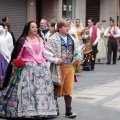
(2, 24)
(26, 29)
(4, 19)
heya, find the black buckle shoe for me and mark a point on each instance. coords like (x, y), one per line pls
(72, 115)
(108, 63)
(69, 114)
(92, 68)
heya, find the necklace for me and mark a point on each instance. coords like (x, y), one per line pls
(33, 39)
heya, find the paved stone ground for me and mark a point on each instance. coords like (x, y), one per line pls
(96, 94)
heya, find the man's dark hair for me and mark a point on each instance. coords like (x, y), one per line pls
(4, 19)
(111, 19)
(91, 19)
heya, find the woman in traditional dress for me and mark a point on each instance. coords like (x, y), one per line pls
(102, 47)
(72, 32)
(6, 47)
(8, 29)
(88, 54)
(31, 94)
(79, 30)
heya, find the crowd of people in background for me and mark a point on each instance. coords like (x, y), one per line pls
(41, 65)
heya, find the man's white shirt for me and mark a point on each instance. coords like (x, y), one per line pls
(98, 35)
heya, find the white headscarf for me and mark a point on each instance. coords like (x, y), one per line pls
(102, 28)
(72, 27)
(81, 24)
(6, 44)
(73, 31)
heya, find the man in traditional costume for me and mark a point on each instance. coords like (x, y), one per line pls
(63, 46)
(112, 33)
(93, 34)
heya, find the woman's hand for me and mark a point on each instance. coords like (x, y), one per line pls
(7, 57)
(60, 61)
(55, 55)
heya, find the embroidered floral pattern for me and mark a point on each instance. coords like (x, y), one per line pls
(32, 95)
(67, 50)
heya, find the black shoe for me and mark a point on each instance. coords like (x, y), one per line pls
(92, 68)
(108, 63)
(119, 58)
(69, 114)
(114, 63)
(86, 68)
(72, 115)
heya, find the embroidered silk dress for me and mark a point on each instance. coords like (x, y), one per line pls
(79, 35)
(33, 93)
(88, 56)
(77, 65)
(102, 47)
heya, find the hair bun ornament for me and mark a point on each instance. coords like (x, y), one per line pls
(56, 28)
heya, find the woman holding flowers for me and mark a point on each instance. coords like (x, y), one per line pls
(28, 87)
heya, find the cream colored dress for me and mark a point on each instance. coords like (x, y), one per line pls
(102, 47)
(77, 65)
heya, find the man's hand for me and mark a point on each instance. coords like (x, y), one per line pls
(89, 35)
(111, 35)
(76, 59)
(94, 44)
(60, 61)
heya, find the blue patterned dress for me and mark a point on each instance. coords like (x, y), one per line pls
(31, 95)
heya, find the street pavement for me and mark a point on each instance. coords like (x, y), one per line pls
(96, 95)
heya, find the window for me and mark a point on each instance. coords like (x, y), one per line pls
(93, 10)
(67, 9)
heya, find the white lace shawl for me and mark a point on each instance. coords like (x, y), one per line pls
(6, 45)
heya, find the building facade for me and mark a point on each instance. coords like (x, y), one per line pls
(21, 11)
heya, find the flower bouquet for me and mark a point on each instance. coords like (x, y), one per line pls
(78, 52)
(18, 65)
